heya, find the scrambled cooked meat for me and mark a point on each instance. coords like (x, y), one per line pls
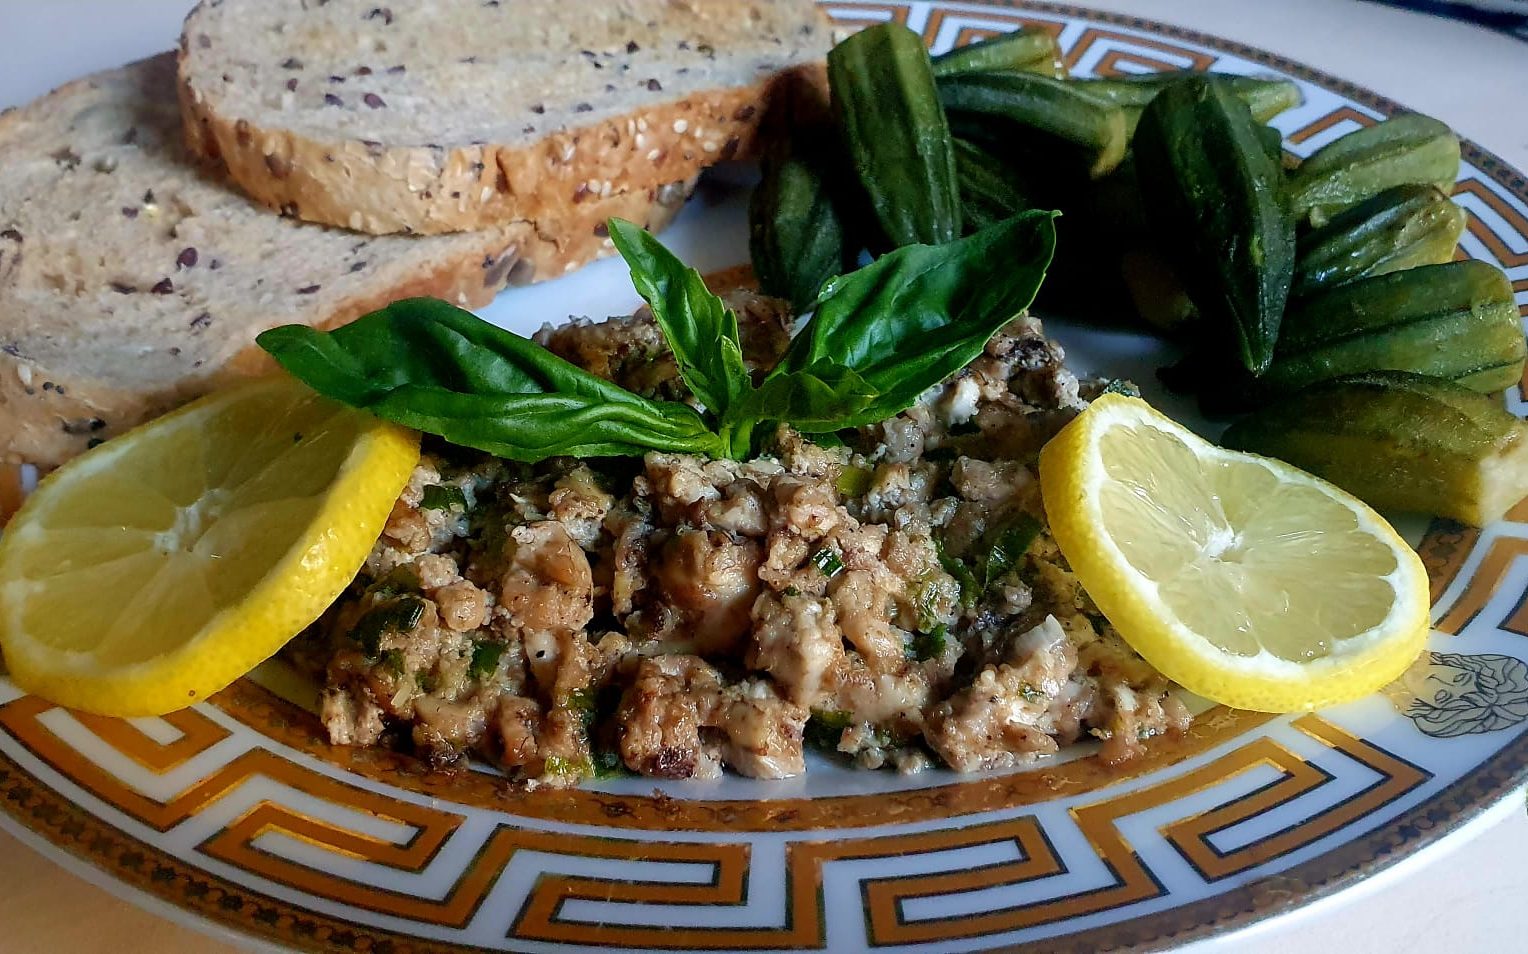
(894, 598)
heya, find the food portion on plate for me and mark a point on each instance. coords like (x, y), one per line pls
(866, 509)
(688, 604)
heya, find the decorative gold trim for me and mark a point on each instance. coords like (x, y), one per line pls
(73, 829)
(1342, 114)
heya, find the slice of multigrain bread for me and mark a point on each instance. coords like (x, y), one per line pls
(132, 279)
(459, 114)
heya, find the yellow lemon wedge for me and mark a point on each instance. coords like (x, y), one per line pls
(164, 564)
(1241, 578)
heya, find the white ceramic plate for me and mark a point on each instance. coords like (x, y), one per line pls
(236, 812)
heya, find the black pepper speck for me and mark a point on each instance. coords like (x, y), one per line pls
(82, 426)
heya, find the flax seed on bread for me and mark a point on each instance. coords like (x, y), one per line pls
(461, 114)
(132, 279)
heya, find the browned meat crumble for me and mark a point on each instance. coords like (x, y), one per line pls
(894, 598)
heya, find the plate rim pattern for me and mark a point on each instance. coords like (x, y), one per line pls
(74, 830)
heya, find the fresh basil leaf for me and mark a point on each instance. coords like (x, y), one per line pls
(927, 645)
(533, 427)
(1004, 546)
(970, 590)
(825, 728)
(917, 315)
(813, 400)
(425, 341)
(701, 330)
(443, 497)
(485, 659)
(398, 617)
(428, 365)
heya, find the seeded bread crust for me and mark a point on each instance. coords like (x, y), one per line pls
(132, 279)
(355, 134)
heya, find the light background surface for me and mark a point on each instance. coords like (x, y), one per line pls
(1467, 894)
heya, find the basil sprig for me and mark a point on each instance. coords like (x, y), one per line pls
(879, 338)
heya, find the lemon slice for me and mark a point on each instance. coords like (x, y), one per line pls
(164, 564)
(1238, 577)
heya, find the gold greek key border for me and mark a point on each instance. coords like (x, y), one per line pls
(1342, 114)
(1109, 62)
(539, 918)
(73, 829)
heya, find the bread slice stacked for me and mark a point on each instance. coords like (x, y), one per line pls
(132, 279)
(436, 117)
(135, 273)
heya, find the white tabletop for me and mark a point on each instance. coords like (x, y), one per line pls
(1466, 892)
